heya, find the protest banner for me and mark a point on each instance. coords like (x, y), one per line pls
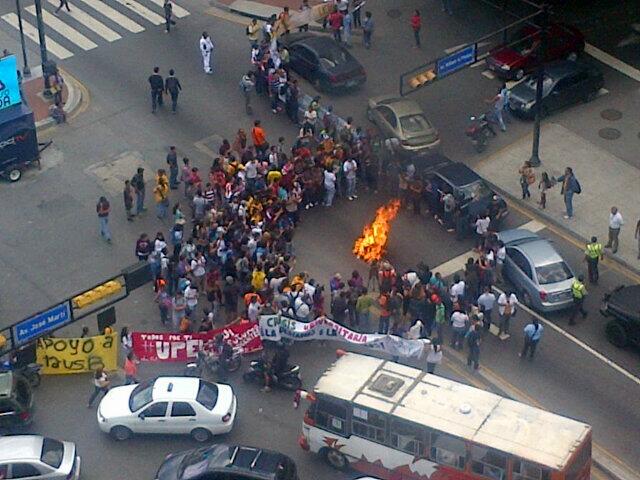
(77, 355)
(277, 327)
(179, 347)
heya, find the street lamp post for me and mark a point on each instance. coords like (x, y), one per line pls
(535, 157)
(43, 49)
(25, 66)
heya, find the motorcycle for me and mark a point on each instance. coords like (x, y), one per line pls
(479, 130)
(289, 379)
(209, 362)
(31, 371)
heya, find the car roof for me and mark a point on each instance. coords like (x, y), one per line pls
(563, 68)
(401, 106)
(317, 42)
(627, 297)
(458, 174)
(169, 388)
(540, 252)
(260, 462)
(21, 447)
(517, 235)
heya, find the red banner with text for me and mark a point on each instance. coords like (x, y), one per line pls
(182, 347)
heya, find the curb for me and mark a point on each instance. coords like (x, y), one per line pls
(74, 100)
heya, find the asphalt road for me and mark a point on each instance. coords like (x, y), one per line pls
(51, 248)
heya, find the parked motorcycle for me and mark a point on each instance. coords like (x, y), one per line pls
(208, 362)
(479, 130)
(289, 379)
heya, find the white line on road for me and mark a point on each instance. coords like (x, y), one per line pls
(143, 11)
(613, 62)
(63, 29)
(489, 74)
(177, 9)
(114, 15)
(458, 47)
(90, 22)
(479, 63)
(32, 32)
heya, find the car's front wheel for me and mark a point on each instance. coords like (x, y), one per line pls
(616, 334)
(201, 435)
(121, 433)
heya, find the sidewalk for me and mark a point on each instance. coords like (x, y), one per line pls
(606, 181)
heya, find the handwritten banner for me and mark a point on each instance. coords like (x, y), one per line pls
(77, 355)
(277, 327)
(178, 347)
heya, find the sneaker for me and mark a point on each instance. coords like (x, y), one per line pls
(355, 196)
(266, 389)
(504, 336)
(566, 216)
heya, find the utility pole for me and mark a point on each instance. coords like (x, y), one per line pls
(544, 22)
(43, 49)
(25, 66)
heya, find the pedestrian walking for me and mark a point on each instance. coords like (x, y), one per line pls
(252, 31)
(305, 11)
(63, 3)
(447, 6)
(291, 103)
(335, 22)
(350, 168)
(570, 186)
(247, 83)
(637, 237)
(507, 303)
(545, 184)
(137, 181)
(101, 384)
(128, 199)
(578, 293)
(434, 355)
(486, 302)
(473, 338)
(206, 47)
(259, 138)
(103, 208)
(172, 162)
(592, 255)
(459, 324)
(130, 369)
(416, 26)
(367, 29)
(615, 223)
(161, 194)
(385, 313)
(143, 247)
(347, 28)
(172, 87)
(168, 15)
(532, 335)
(126, 342)
(498, 102)
(156, 83)
(329, 186)
(527, 178)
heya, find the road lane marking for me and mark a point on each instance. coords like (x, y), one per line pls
(178, 11)
(63, 29)
(613, 62)
(90, 22)
(489, 74)
(479, 63)
(32, 32)
(456, 264)
(143, 11)
(115, 16)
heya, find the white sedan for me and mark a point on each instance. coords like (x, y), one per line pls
(173, 405)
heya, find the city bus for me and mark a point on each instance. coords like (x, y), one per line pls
(395, 422)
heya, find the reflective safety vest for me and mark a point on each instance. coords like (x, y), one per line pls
(578, 290)
(594, 250)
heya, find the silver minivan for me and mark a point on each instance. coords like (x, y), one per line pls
(32, 457)
(538, 273)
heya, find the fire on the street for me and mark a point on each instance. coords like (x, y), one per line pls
(372, 243)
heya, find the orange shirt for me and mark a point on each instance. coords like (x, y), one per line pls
(130, 368)
(258, 136)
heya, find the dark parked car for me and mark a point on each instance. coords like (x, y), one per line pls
(565, 83)
(16, 401)
(623, 306)
(514, 61)
(227, 462)
(324, 63)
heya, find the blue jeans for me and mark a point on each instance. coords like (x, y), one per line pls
(173, 177)
(568, 202)
(383, 325)
(104, 228)
(366, 37)
(498, 113)
(139, 201)
(363, 321)
(329, 193)
(161, 209)
(351, 186)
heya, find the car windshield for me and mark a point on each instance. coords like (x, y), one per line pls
(207, 395)
(195, 463)
(553, 273)
(52, 452)
(475, 191)
(141, 396)
(531, 83)
(331, 57)
(415, 124)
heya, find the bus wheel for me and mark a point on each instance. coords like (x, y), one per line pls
(336, 459)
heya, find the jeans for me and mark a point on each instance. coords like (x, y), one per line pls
(416, 35)
(247, 101)
(529, 347)
(139, 201)
(473, 357)
(337, 36)
(498, 114)
(363, 321)
(592, 264)
(525, 189)
(156, 99)
(366, 38)
(329, 193)
(458, 337)
(174, 101)
(351, 186)
(568, 202)
(613, 239)
(161, 209)
(504, 324)
(96, 392)
(104, 228)
(383, 325)
(173, 177)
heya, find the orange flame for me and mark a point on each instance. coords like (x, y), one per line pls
(373, 242)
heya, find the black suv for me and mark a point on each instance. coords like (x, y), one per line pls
(227, 462)
(623, 305)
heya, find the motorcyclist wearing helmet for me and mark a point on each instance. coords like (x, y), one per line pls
(280, 359)
(224, 351)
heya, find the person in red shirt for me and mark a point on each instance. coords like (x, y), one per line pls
(259, 137)
(335, 21)
(416, 25)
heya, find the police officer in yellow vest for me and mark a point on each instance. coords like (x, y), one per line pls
(592, 255)
(578, 292)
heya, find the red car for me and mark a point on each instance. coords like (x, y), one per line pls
(520, 57)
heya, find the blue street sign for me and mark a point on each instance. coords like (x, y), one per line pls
(43, 322)
(9, 87)
(456, 61)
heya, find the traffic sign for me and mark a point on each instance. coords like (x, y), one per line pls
(43, 322)
(9, 87)
(456, 60)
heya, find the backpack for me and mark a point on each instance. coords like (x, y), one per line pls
(578, 188)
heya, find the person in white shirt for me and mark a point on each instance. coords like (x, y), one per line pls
(350, 168)
(459, 322)
(434, 354)
(206, 47)
(482, 227)
(486, 302)
(254, 309)
(615, 223)
(329, 187)
(191, 296)
(507, 308)
(501, 254)
(457, 289)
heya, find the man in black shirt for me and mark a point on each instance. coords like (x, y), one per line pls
(157, 87)
(137, 182)
(172, 161)
(172, 86)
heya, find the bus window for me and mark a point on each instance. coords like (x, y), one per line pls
(488, 463)
(528, 471)
(447, 450)
(332, 416)
(407, 437)
(368, 424)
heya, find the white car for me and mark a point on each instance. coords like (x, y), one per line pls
(37, 457)
(172, 405)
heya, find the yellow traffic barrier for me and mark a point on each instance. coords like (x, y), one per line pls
(96, 294)
(422, 78)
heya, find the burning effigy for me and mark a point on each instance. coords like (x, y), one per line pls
(372, 244)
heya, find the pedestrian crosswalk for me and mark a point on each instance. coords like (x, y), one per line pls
(90, 22)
